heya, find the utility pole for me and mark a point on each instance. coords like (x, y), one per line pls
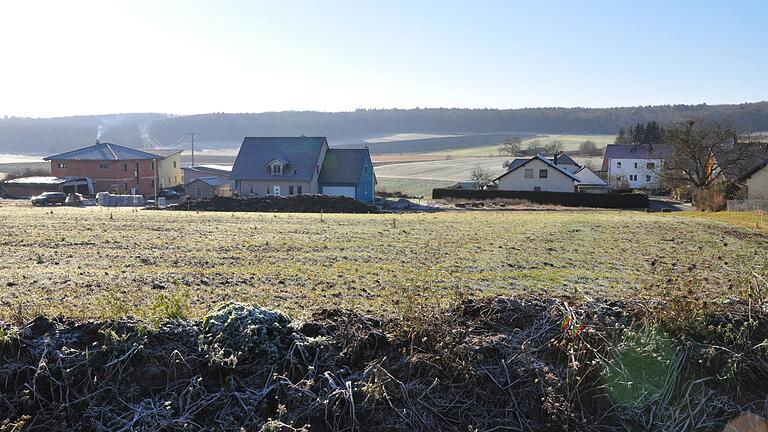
(192, 134)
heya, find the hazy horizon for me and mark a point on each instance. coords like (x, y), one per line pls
(182, 58)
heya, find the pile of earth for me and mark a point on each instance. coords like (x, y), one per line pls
(293, 203)
(494, 365)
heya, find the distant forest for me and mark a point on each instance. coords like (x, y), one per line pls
(22, 135)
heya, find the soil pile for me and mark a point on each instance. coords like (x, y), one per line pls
(499, 364)
(293, 203)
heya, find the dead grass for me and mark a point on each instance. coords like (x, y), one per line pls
(82, 263)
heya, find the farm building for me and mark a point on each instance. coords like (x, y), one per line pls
(302, 165)
(634, 165)
(118, 169)
(207, 187)
(26, 187)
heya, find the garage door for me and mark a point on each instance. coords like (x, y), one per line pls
(347, 191)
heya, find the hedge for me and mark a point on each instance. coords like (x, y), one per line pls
(567, 199)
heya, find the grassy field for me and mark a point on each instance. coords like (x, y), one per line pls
(97, 262)
(411, 186)
(571, 142)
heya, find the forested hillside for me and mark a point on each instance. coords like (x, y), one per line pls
(51, 135)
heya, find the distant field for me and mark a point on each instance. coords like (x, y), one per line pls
(446, 169)
(398, 143)
(571, 142)
(97, 262)
(411, 186)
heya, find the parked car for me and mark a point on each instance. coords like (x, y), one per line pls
(48, 198)
(170, 194)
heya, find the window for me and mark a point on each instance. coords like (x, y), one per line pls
(537, 188)
(153, 165)
(650, 165)
(276, 190)
(169, 180)
(647, 178)
(125, 187)
(277, 169)
(125, 167)
(104, 166)
(635, 165)
(290, 190)
(152, 183)
(175, 179)
(543, 173)
(529, 173)
(62, 165)
(298, 190)
(618, 164)
(174, 164)
(633, 177)
(250, 190)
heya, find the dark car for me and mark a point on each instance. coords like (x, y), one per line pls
(169, 194)
(48, 198)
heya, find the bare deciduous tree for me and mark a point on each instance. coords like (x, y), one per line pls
(481, 176)
(692, 143)
(555, 146)
(511, 146)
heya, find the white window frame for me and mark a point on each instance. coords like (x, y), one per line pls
(276, 169)
(276, 190)
(528, 172)
(543, 173)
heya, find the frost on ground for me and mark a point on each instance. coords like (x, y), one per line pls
(496, 364)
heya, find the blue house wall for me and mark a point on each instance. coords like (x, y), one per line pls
(366, 188)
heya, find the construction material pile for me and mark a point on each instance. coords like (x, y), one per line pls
(293, 203)
(498, 364)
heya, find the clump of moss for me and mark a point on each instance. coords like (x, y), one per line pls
(236, 334)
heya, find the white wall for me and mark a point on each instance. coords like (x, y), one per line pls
(555, 181)
(634, 167)
(757, 185)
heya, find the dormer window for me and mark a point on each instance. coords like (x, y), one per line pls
(276, 166)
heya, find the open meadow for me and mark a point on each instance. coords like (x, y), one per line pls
(100, 263)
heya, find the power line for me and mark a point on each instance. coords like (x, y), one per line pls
(192, 134)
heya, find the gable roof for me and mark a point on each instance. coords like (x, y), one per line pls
(103, 152)
(343, 166)
(749, 164)
(635, 151)
(546, 161)
(564, 159)
(301, 153)
(587, 177)
(211, 181)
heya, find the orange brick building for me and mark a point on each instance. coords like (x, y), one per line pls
(117, 169)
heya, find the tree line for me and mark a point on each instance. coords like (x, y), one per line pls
(60, 134)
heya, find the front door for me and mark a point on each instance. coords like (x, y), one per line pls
(276, 190)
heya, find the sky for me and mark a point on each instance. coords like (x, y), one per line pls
(75, 57)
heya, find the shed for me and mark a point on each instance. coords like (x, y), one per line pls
(207, 187)
(26, 187)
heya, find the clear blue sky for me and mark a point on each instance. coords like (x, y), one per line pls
(77, 57)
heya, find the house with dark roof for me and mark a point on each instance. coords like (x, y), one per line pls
(538, 174)
(634, 165)
(302, 165)
(747, 167)
(569, 175)
(119, 169)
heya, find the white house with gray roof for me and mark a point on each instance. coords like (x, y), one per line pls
(302, 165)
(541, 174)
(634, 165)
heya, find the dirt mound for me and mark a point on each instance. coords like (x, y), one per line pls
(499, 364)
(293, 203)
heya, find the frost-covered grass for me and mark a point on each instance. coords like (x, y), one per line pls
(82, 263)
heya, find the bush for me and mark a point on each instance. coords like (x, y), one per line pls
(712, 199)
